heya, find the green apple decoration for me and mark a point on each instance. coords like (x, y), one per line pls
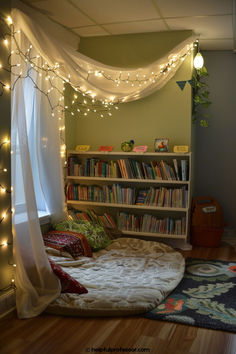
(127, 146)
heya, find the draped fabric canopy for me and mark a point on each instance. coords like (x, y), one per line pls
(93, 78)
(40, 66)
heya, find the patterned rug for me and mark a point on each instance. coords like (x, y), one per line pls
(206, 296)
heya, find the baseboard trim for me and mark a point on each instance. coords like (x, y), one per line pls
(7, 302)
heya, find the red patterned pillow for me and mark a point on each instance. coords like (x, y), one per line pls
(72, 242)
(68, 283)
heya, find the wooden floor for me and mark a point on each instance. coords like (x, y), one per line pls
(49, 334)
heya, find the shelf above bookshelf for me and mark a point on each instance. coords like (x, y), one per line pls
(125, 180)
(128, 154)
(129, 206)
(153, 234)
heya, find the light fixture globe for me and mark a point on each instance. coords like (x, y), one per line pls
(198, 61)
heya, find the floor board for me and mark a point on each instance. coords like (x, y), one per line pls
(48, 334)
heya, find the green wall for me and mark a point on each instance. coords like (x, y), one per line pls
(6, 270)
(165, 113)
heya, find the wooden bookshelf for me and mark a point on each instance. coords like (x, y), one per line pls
(136, 183)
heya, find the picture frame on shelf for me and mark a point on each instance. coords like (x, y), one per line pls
(161, 145)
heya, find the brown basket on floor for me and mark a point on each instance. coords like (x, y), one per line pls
(207, 222)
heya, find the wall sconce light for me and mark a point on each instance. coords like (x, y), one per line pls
(198, 61)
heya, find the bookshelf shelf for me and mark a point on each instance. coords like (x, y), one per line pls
(153, 234)
(119, 205)
(125, 180)
(162, 175)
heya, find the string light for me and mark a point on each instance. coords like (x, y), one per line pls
(4, 142)
(141, 79)
(4, 244)
(50, 73)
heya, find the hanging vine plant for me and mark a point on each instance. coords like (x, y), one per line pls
(200, 97)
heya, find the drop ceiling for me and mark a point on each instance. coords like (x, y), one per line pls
(212, 20)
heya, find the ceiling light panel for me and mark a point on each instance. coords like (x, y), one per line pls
(136, 27)
(109, 11)
(216, 44)
(207, 26)
(90, 31)
(180, 8)
(63, 12)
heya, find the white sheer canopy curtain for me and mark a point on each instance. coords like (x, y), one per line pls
(36, 163)
(35, 134)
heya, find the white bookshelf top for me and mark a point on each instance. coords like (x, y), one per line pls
(128, 154)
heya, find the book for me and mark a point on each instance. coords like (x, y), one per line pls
(141, 196)
(176, 169)
(183, 170)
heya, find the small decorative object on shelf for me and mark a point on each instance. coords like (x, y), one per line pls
(127, 146)
(82, 148)
(140, 148)
(181, 148)
(107, 148)
(161, 145)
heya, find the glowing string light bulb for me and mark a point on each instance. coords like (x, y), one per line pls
(4, 244)
(198, 61)
(9, 20)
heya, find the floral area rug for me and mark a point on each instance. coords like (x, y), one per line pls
(206, 296)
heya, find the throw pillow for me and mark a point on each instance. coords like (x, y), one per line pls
(72, 242)
(68, 283)
(94, 233)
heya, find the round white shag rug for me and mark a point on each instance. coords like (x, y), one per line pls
(130, 276)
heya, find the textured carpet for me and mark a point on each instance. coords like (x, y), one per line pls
(206, 296)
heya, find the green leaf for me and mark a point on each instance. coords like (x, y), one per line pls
(202, 72)
(209, 290)
(200, 84)
(204, 123)
(213, 309)
(205, 94)
(206, 104)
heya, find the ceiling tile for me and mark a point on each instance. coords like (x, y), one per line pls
(90, 31)
(207, 26)
(63, 12)
(136, 27)
(30, 1)
(217, 44)
(108, 11)
(180, 8)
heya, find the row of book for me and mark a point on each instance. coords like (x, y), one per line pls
(163, 197)
(89, 215)
(150, 223)
(129, 169)
(116, 193)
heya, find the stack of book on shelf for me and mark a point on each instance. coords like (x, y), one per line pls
(106, 194)
(163, 197)
(74, 167)
(160, 170)
(115, 193)
(99, 168)
(129, 169)
(152, 224)
(89, 215)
